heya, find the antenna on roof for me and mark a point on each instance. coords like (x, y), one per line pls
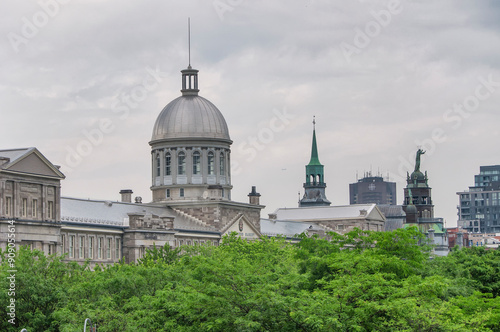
(189, 42)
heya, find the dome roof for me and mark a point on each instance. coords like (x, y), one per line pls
(192, 117)
(419, 176)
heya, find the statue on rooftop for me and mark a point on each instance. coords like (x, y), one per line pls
(417, 161)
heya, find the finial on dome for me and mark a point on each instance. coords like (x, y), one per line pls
(189, 42)
(314, 122)
(189, 75)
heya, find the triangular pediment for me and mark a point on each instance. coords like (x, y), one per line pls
(33, 163)
(244, 228)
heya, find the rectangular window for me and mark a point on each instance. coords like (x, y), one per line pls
(50, 210)
(91, 247)
(167, 194)
(168, 164)
(34, 208)
(158, 165)
(181, 192)
(108, 249)
(80, 246)
(71, 246)
(117, 249)
(63, 247)
(181, 163)
(222, 163)
(8, 206)
(196, 163)
(24, 211)
(210, 163)
(99, 248)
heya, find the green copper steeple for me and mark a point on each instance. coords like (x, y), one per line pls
(314, 151)
(314, 170)
(314, 187)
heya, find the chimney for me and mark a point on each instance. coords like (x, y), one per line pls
(126, 195)
(254, 197)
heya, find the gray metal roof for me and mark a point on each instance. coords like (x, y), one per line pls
(190, 117)
(280, 227)
(14, 154)
(324, 212)
(111, 213)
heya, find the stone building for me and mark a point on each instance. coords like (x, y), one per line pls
(191, 193)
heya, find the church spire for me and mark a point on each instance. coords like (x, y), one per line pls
(314, 187)
(314, 150)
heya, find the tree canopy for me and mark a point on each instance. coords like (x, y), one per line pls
(361, 281)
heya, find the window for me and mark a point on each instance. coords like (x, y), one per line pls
(167, 194)
(91, 247)
(63, 242)
(71, 246)
(117, 248)
(181, 163)
(24, 211)
(181, 192)
(222, 164)
(196, 163)
(80, 246)
(157, 165)
(99, 248)
(50, 210)
(8, 206)
(210, 163)
(108, 249)
(34, 208)
(168, 164)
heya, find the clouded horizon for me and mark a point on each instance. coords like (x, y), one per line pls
(83, 81)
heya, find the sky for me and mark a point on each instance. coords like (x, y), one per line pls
(83, 81)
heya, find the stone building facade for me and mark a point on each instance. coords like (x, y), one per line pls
(191, 193)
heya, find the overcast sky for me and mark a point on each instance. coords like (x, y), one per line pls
(83, 81)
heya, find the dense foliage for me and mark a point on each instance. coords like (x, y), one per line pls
(363, 281)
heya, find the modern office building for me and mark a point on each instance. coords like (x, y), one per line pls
(479, 207)
(372, 189)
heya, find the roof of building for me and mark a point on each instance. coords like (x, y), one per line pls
(329, 212)
(190, 116)
(28, 161)
(86, 211)
(283, 227)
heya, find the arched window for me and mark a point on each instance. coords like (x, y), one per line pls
(210, 163)
(157, 165)
(196, 163)
(168, 164)
(222, 164)
(181, 163)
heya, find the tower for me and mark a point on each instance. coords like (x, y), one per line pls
(314, 187)
(417, 192)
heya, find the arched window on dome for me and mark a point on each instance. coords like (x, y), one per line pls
(222, 164)
(168, 164)
(157, 165)
(196, 163)
(181, 163)
(210, 163)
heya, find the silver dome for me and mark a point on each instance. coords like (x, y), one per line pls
(190, 116)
